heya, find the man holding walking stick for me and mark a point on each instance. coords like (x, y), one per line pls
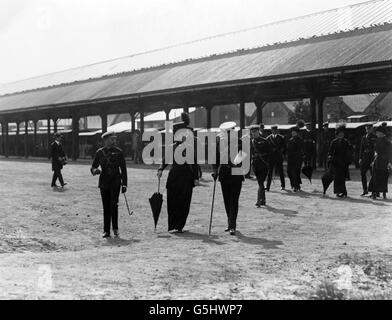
(112, 179)
(231, 184)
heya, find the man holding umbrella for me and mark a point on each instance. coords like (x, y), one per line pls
(182, 178)
(113, 178)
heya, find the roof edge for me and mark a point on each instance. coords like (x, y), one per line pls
(302, 41)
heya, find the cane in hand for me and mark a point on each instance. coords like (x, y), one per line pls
(212, 206)
(126, 202)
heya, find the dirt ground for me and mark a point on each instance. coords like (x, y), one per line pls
(301, 246)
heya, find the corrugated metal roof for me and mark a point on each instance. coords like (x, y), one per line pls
(361, 15)
(310, 56)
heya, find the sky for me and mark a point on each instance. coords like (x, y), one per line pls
(44, 36)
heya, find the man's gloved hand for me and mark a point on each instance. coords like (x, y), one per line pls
(123, 189)
(95, 171)
(214, 176)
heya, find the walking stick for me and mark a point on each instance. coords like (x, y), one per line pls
(212, 207)
(126, 201)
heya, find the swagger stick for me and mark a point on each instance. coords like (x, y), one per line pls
(126, 201)
(212, 207)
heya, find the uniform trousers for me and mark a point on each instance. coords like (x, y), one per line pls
(365, 167)
(231, 191)
(276, 164)
(110, 207)
(57, 175)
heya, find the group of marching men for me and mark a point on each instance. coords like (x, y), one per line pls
(267, 154)
(375, 156)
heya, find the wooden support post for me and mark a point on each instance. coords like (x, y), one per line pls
(55, 125)
(320, 121)
(259, 111)
(104, 122)
(75, 136)
(6, 140)
(313, 109)
(17, 142)
(26, 139)
(2, 138)
(167, 112)
(35, 137)
(48, 138)
(133, 121)
(142, 122)
(209, 116)
(186, 109)
(313, 106)
(242, 115)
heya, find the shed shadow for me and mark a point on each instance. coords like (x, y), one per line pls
(285, 212)
(265, 243)
(119, 242)
(198, 236)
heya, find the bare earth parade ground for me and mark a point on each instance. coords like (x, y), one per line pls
(301, 246)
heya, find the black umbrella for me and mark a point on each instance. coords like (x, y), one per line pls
(308, 171)
(327, 179)
(156, 201)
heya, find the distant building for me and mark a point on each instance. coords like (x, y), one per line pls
(381, 106)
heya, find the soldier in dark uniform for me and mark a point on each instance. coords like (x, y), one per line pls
(325, 143)
(278, 150)
(112, 179)
(309, 145)
(381, 165)
(295, 156)
(366, 155)
(231, 184)
(58, 160)
(181, 180)
(260, 152)
(339, 155)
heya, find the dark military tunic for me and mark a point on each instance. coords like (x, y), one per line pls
(260, 151)
(113, 176)
(383, 157)
(57, 153)
(278, 149)
(326, 142)
(295, 155)
(309, 147)
(339, 155)
(366, 157)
